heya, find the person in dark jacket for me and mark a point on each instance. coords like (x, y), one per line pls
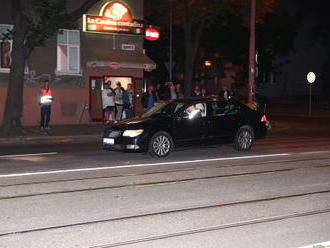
(149, 97)
(45, 100)
(159, 91)
(169, 92)
(128, 101)
(196, 92)
(179, 93)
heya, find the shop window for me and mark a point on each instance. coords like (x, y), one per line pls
(68, 52)
(5, 48)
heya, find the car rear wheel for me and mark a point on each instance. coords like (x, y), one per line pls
(160, 144)
(244, 138)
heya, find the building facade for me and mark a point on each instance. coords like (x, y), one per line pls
(107, 46)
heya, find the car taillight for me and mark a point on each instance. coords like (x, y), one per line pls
(264, 119)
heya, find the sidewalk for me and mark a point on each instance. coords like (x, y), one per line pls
(57, 134)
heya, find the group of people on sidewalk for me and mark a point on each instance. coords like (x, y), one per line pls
(117, 103)
(174, 91)
(157, 94)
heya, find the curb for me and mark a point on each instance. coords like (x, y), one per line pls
(49, 139)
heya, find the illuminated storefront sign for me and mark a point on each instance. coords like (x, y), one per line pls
(115, 17)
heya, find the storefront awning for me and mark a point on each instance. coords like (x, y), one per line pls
(120, 59)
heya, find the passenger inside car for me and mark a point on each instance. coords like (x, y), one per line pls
(202, 108)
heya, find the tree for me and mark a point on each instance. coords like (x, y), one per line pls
(316, 14)
(275, 39)
(194, 16)
(35, 21)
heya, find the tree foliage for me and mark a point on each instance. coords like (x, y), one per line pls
(194, 17)
(316, 13)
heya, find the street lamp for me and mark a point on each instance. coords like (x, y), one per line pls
(207, 63)
(311, 77)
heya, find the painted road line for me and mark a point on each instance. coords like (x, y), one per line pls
(28, 155)
(319, 245)
(315, 152)
(139, 165)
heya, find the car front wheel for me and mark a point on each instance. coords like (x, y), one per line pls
(244, 139)
(160, 144)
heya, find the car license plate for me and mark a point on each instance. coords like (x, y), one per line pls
(108, 141)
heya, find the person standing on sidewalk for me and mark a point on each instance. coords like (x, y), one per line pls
(119, 91)
(149, 98)
(179, 93)
(108, 103)
(45, 101)
(128, 101)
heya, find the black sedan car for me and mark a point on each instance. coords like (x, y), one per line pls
(187, 122)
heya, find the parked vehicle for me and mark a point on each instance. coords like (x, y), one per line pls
(188, 122)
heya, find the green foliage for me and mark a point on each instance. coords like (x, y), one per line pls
(50, 16)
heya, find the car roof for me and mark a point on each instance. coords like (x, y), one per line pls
(200, 99)
(211, 99)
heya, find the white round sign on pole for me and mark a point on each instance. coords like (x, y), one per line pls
(311, 77)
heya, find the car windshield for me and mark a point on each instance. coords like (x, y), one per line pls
(164, 108)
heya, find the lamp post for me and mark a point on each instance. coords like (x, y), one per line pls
(252, 53)
(311, 77)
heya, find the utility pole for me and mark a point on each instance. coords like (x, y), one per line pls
(171, 43)
(252, 53)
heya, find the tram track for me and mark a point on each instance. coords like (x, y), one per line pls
(214, 228)
(172, 171)
(185, 210)
(153, 183)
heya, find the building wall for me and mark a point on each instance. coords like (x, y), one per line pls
(66, 109)
(71, 92)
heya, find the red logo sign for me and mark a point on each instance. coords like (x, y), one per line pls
(115, 17)
(114, 66)
(117, 12)
(152, 34)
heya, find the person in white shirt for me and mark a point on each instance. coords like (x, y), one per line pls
(108, 103)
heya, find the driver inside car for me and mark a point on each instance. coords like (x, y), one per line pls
(193, 112)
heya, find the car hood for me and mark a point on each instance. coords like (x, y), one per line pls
(136, 123)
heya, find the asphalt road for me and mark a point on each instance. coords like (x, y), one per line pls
(77, 195)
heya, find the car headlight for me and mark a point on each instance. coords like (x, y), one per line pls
(132, 133)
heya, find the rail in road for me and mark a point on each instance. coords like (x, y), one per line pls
(64, 199)
(195, 231)
(287, 165)
(39, 184)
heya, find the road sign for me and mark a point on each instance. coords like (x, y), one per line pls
(152, 34)
(311, 77)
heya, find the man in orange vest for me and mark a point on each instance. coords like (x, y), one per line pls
(45, 101)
